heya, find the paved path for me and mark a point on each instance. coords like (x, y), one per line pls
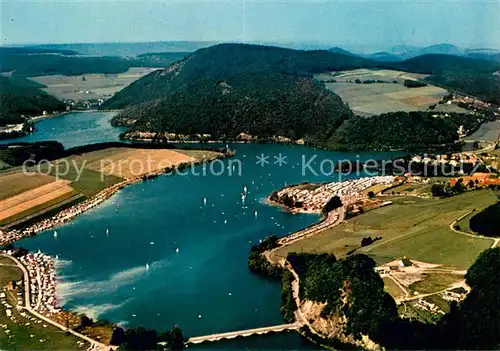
(247, 332)
(94, 344)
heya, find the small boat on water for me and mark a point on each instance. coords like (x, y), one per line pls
(177, 250)
(147, 266)
(55, 234)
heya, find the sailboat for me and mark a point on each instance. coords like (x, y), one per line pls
(55, 234)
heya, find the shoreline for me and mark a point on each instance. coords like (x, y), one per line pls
(40, 297)
(67, 214)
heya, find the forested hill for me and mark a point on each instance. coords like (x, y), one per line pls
(262, 104)
(228, 89)
(22, 100)
(230, 60)
(469, 76)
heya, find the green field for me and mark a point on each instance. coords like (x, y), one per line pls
(435, 282)
(88, 183)
(414, 227)
(27, 337)
(411, 188)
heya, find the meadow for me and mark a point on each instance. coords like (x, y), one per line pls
(415, 227)
(389, 96)
(98, 86)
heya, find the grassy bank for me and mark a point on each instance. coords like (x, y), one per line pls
(414, 227)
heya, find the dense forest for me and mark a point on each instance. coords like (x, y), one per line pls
(400, 130)
(487, 222)
(228, 89)
(160, 59)
(140, 338)
(30, 65)
(230, 60)
(224, 61)
(351, 288)
(30, 62)
(16, 100)
(15, 154)
(264, 105)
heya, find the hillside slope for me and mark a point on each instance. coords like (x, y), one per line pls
(23, 100)
(465, 75)
(263, 105)
(229, 60)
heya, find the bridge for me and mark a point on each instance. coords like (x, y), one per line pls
(244, 333)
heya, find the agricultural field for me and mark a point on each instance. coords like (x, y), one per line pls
(17, 183)
(71, 179)
(132, 162)
(415, 227)
(487, 132)
(34, 197)
(390, 96)
(25, 333)
(25, 196)
(90, 86)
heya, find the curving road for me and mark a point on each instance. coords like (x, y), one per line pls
(452, 227)
(94, 344)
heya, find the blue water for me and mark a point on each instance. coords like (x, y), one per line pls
(206, 286)
(73, 129)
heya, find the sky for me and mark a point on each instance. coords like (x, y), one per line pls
(347, 23)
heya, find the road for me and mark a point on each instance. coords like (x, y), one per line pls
(334, 218)
(452, 227)
(95, 345)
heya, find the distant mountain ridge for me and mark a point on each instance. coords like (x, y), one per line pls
(401, 52)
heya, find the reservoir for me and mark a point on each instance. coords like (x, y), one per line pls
(174, 250)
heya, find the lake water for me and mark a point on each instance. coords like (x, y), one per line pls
(158, 254)
(73, 129)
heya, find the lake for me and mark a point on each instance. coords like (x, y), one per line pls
(174, 250)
